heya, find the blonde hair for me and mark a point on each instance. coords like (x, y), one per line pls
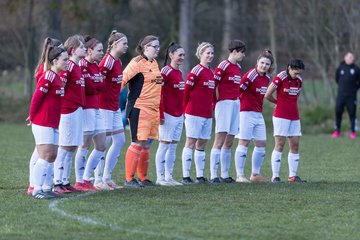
(201, 48)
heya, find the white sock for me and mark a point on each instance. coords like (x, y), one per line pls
(293, 161)
(160, 161)
(257, 159)
(67, 168)
(225, 157)
(199, 157)
(59, 165)
(91, 163)
(214, 162)
(240, 158)
(33, 159)
(39, 174)
(186, 161)
(276, 163)
(170, 157)
(118, 141)
(80, 163)
(99, 170)
(47, 185)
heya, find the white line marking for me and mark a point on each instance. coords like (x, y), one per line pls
(87, 220)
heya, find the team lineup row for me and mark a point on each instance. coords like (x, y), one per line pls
(76, 100)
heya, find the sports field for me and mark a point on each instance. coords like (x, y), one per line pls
(326, 207)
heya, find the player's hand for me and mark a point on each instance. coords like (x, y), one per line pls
(162, 121)
(28, 121)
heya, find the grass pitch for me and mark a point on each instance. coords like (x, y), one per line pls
(327, 207)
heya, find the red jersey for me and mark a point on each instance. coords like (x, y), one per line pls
(172, 92)
(227, 79)
(253, 87)
(199, 91)
(93, 83)
(287, 94)
(74, 83)
(45, 107)
(112, 70)
(39, 72)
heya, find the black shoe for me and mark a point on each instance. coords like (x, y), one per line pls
(201, 180)
(187, 181)
(215, 180)
(43, 195)
(227, 180)
(133, 183)
(275, 180)
(296, 179)
(147, 183)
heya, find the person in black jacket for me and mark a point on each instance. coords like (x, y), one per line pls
(348, 80)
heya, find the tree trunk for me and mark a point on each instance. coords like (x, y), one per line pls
(30, 59)
(186, 25)
(227, 29)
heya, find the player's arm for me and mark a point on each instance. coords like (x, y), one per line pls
(161, 108)
(130, 71)
(42, 89)
(244, 84)
(189, 84)
(269, 95)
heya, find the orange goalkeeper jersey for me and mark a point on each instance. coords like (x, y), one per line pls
(144, 80)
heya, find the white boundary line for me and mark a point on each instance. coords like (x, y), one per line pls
(54, 207)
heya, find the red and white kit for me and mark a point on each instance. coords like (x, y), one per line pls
(45, 105)
(227, 80)
(253, 87)
(198, 98)
(109, 97)
(171, 107)
(93, 120)
(286, 117)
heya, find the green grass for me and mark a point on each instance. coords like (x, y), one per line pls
(327, 207)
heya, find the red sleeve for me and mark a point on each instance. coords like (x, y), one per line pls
(89, 88)
(218, 75)
(276, 82)
(64, 76)
(190, 81)
(39, 94)
(244, 84)
(99, 83)
(162, 115)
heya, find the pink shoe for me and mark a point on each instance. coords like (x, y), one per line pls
(335, 134)
(30, 190)
(353, 135)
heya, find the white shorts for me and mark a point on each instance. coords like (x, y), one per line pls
(93, 121)
(45, 135)
(286, 128)
(198, 127)
(112, 119)
(227, 115)
(172, 128)
(71, 128)
(252, 126)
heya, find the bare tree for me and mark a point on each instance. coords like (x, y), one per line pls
(186, 27)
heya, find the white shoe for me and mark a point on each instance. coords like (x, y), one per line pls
(102, 187)
(174, 182)
(163, 183)
(242, 179)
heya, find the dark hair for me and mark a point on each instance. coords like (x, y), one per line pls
(73, 42)
(296, 64)
(268, 54)
(49, 42)
(90, 42)
(237, 45)
(146, 40)
(171, 49)
(114, 37)
(52, 53)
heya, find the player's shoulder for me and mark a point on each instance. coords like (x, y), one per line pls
(252, 74)
(197, 70)
(49, 75)
(282, 75)
(223, 65)
(166, 70)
